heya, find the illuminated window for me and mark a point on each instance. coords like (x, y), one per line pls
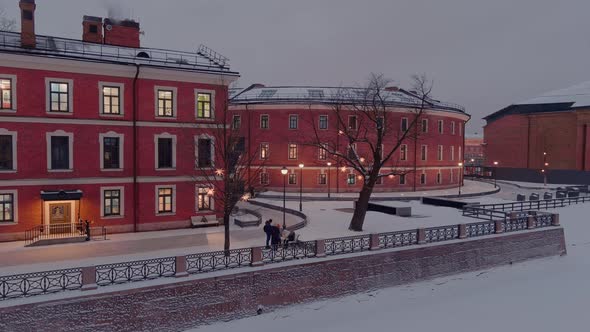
(322, 179)
(292, 151)
(404, 152)
(165, 200)
(322, 153)
(111, 203)
(111, 100)
(203, 105)
(351, 179)
(203, 199)
(166, 103)
(6, 207)
(59, 97)
(264, 151)
(6, 94)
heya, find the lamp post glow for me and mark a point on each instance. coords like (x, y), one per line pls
(329, 164)
(495, 174)
(284, 171)
(460, 177)
(544, 170)
(301, 187)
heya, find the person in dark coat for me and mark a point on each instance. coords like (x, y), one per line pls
(275, 236)
(268, 230)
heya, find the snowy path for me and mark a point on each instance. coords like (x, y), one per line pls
(541, 295)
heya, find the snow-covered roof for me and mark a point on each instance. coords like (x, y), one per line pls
(202, 60)
(578, 94)
(561, 100)
(259, 94)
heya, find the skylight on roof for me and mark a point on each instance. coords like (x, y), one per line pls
(267, 93)
(315, 93)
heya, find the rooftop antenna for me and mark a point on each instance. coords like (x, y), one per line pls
(212, 56)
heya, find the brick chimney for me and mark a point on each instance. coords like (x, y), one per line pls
(92, 29)
(121, 32)
(27, 21)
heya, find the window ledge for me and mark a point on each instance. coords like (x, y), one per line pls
(205, 119)
(111, 115)
(60, 113)
(60, 170)
(8, 223)
(165, 117)
(8, 171)
(112, 217)
(111, 169)
(164, 214)
(8, 111)
(165, 169)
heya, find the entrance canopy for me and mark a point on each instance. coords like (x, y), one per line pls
(61, 195)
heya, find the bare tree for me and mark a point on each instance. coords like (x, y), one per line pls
(368, 137)
(223, 164)
(6, 24)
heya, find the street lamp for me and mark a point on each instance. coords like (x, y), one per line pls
(544, 170)
(495, 174)
(460, 177)
(284, 171)
(301, 187)
(329, 164)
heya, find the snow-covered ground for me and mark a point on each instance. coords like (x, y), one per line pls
(549, 294)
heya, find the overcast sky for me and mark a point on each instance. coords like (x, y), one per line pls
(482, 54)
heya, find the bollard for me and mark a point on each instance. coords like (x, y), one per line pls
(374, 242)
(320, 248)
(462, 231)
(498, 227)
(89, 278)
(421, 236)
(530, 222)
(555, 220)
(180, 264)
(256, 257)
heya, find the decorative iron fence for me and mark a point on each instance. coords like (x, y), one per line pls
(291, 251)
(480, 228)
(30, 284)
(398, 239)
(218, 260)
(444, 233)
(346, 245)
(54, 231)
(543, 220)
(135, 271)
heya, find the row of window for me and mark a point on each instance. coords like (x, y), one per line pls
(112, 202)
(351, 179)
(60, 98)
(60, 151)
(293, 149)
(352, 123)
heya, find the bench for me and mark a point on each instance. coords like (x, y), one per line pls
(204, 221)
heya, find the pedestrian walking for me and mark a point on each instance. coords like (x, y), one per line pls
(275, 236)
(268, 231)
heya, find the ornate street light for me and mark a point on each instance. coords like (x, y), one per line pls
(301, 187)
(460, 177)
(284, 171)
(329, 165)
(495, 174)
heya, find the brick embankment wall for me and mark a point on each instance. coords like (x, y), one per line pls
(179, 306)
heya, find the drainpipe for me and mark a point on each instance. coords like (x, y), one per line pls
(135, 150)
(528, 143)
(415, 154)
(584, 147)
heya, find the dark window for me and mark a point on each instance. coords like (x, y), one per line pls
(60, 152)
(165, 200)
(440, 152)
(292, 178)
(27, 15)
(352, 122)
(424, 125)
(111, 100)
(440, 126)
(93, 29)
(6, 207)
(6, 162)
(404, 126)
(59, 97)
(111, 153)
(165, 153)
(323, 122)
(402, 179)
(264, 122)
(322, 153)
(112, 203)
(423, 153)
(264, 178)
(204, 105)
(237, 122)
(438, 178)
(422, 178)
(204, 153)
(351, 179)
(264, 150)
(293, 122)
(165, 103)
(404, 152)
(380, 122)
(322, 179)
(352, 151)
(6, 94)
(204, 199)
(379, 180)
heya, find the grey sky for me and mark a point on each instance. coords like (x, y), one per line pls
(481, 54)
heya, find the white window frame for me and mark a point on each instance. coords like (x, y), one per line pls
(405, 156)
(267, 151)
(424, 130)
(211, 199)
(14, 135)
(439, 177)
(121, 137)
(400, 177)
(323, 149)
(121, 87)
(70, 83)
(13, 87)
(422, 176)
(156, 155)
(452, 153)
(267, 178)
(461, 157)
(425, 152)
(319, 177)
(121, 202)
(289, 151)
(163, 186)
(327, 121)
(197, 138)
(260, 121)
(174, 101)
(14, 194)
(401, 125)
(440, 153)
(453, 128)
(210, 92)
(70, 136)
(460, 128)
(441, 126)
(296, 121)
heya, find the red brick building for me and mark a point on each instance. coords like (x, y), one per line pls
(280, 120)
(548, 132)
(99, 129)
(474, 151)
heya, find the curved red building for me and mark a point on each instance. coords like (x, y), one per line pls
(278, 122)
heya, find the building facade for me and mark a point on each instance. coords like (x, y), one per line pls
(104, 130)
(280, 121)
